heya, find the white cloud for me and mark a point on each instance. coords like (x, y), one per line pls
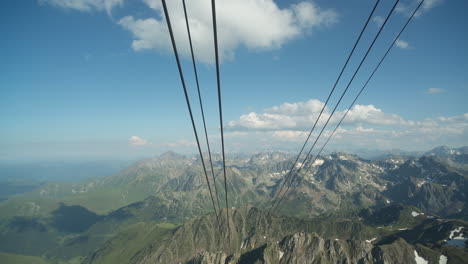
(290, 135)
(254, 24)
(257, 25)
(302, 115)
(435, 90)
(402, 44)
(407, 7)
(138, 141)
(378, 20)
(428, 4)
(85, 5)
(365, 126)
(147, 32)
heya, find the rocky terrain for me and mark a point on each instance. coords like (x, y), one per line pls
(255, 236)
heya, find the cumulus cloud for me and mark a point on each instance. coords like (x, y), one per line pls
(85, 5)
(257, 25)
(435, 90)
(364, 126)
(407, 7)
(402, 44)
(138, 141)
(254, 24)
(378, 20)
(302, 115)
(290, 135)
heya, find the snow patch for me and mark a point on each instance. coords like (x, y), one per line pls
(414, 214)
(281, 253)
(442, 259)
(317, 162)
(387, 201)
(342, 158)
(457, 241)
(456, 230)
(371, 240)
(419, 260)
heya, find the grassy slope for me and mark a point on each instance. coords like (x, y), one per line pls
(101, 201)
(126, 244)
(21, 259)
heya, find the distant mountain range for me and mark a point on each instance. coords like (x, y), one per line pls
(332, 211)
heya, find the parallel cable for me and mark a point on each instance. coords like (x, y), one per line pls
(201, 103)
(181, 74)
(368, 80)
(365, 85)
(341, 97)
(326, 102)
(215, 34)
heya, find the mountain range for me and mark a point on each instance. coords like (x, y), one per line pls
(345, 209)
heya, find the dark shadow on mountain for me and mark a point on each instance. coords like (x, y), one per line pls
(76, 240)
(20, 224)
(253, 256)
(73, 218)
(382, 216)
(121, 213)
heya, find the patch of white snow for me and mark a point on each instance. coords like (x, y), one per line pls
(281, 253)
(442, 259)
(317, 162)
(456, 230)
(457, 241)
(419, 260)
(414, 214)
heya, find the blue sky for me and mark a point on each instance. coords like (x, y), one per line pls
(83, 78)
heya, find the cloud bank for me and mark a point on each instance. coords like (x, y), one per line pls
(364, 126)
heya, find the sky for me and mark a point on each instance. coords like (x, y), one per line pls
(98, 78)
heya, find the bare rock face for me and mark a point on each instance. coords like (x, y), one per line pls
(208, 258)
(258, 237)
(311, 248)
